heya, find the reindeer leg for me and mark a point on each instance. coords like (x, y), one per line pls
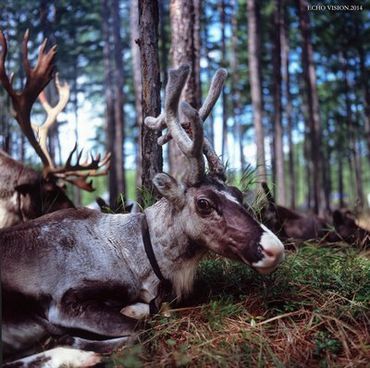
(92, 317)
(99, 346)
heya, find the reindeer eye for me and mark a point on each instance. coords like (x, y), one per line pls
(204, 205)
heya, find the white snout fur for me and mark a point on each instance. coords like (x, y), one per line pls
(272, 250)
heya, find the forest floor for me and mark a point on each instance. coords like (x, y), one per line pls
(312, 312)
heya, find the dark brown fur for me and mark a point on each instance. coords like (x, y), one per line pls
(25, 194)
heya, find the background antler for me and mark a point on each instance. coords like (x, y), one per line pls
(215, 165)
(78, 173)
(51, 118)
(37, 79)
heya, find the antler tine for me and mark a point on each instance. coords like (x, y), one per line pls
(176, 82)
(158, 123)
(195, 152)
(78, 173)
(5, 81)
(192, 148)
(216, 166)
(214, 92)
(39, 76)
(37, 79)
(52, 114)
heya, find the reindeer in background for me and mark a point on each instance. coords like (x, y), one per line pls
(289, 224)
(25, 193)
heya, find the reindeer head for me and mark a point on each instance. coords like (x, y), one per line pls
(210, 212)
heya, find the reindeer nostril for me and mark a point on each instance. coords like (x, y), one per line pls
(268, 253)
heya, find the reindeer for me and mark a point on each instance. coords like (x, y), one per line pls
(291, 224)
(25, 193)
(90, 276)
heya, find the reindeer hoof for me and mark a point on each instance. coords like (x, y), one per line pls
(136, 311)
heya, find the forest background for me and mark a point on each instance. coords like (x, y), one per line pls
(295, 108)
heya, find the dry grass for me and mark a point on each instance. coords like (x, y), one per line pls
(312, 312)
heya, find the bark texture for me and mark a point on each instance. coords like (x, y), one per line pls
(288, 107)
(150, 72)
(136, 63)
(185, 49)
(256, 89)
(119, 138)
(313, 107)
(278, 127)
(109, 99)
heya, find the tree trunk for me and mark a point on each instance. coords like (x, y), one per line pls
(340, 180)
(306, 147)
(136, 69)
(278, 127)
(222, 12)
(22, 146)
(119, 138)
(235, 95)
(365, 87)
(150, 73)
(185, 42)
(109, 100)
(209, 128)
(327, 177)
(313, 106)
(354, 157)
(51, 93)
(164, 46)
(256, 88)
(284, 37)
(76, 190)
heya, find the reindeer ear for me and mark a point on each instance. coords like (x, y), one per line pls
(169, 188)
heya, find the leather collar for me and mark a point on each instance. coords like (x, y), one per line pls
(165, 285)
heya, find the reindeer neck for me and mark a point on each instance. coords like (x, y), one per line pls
(176, 254)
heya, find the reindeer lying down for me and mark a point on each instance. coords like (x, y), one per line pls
(289, 224)
(89, 277)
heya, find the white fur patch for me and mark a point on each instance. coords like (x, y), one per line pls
(61, 357)
(272, 249)
(183, 279)
(229, 197)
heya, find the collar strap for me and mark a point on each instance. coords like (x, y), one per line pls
(165, 285)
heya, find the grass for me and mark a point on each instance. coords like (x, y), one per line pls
(312, 312)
